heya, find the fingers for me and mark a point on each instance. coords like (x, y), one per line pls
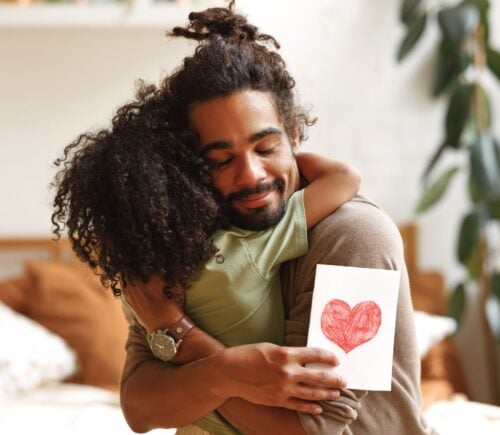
(323, 378)
(314, 355)
(316, 393)
(303, 406)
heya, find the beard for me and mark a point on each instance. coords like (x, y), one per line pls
(260, 218)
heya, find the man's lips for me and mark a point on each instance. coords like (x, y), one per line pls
(257, 200)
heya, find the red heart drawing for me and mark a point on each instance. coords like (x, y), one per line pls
(350, 328)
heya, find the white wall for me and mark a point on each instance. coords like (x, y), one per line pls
(374, 113)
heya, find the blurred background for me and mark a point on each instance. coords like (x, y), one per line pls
(66, 67)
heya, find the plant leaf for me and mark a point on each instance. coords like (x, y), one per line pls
(409, 9)
(458, 113)
(436, 190)
(493, 59)
(474, 263)
(485, 165)
(432, 162)
(485, 106)
(494, 209)
(495, 284)
(451, 63)
(475, 193)
(413, 35)
(468, 237)
(458, 22)
(456, 303)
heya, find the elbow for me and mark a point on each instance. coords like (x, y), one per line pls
(134, 410)
(135, 423)
(139, 416)
(356, 177)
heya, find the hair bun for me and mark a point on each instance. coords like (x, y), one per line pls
(223, 22)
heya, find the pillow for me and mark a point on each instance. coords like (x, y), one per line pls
(432, 329)
(70, 301)
(30, 355)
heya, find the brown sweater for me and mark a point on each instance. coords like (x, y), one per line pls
(357, 234)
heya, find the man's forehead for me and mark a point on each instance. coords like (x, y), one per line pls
(224, 144)
(241, 116)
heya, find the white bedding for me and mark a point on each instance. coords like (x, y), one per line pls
(461, 417)
(65, 409)
(69, 409)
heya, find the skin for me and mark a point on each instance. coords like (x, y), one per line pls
(257, 387)
(245, 141)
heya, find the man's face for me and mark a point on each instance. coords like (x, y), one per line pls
(252, 157)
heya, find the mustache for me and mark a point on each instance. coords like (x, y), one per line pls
(276, 184)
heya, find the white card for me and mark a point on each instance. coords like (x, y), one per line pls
(353, 315)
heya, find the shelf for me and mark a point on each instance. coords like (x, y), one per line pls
(133, 15)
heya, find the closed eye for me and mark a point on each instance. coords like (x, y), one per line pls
(219, 164)
(266, 151)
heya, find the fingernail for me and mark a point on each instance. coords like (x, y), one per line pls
(318, 410)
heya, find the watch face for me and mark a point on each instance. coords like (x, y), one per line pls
(163, 346)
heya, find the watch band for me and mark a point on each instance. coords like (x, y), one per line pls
(180, 328)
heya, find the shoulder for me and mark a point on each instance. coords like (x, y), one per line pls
(359, 233)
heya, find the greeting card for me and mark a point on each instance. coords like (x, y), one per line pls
(353, 315)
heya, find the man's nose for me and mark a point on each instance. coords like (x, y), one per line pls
(249, 172)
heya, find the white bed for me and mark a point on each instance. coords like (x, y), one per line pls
(463, 417)
(65, 409)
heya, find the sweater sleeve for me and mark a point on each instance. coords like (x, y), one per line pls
(359, 234)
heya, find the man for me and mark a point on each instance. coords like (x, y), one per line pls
(237, 96)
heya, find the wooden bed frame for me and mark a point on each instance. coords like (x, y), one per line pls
(428, 294)
(56, 250)
(428, 287)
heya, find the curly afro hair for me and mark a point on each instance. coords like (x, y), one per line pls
(137, 199)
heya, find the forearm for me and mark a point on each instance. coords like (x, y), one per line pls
(314, 166)
(152, 396)
(331, 184)
(150, 399)
(256, 419)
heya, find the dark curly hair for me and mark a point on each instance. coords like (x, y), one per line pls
(137, 199)
(232, 56)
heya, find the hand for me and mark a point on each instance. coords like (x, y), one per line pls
(151, 307)
(272, 375)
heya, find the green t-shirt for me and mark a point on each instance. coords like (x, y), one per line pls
(238, 300)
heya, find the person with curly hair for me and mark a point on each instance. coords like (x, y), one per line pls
(236, 95)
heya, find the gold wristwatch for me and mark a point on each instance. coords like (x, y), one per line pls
(164, 343)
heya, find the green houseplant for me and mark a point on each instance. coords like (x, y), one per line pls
(465, 58)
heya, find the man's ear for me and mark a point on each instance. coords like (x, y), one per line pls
(295, 139)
